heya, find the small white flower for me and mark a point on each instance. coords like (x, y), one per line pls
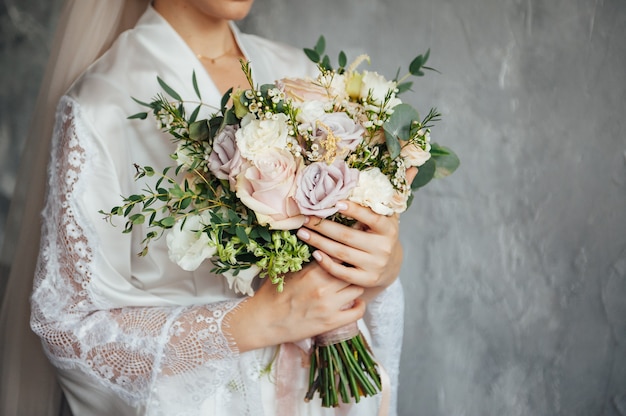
(184, 156)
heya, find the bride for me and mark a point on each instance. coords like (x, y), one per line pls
(132, 335)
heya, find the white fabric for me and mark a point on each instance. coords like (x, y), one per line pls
(137, 335)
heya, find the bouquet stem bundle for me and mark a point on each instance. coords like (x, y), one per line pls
(342, 367)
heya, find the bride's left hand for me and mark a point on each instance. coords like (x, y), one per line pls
(368, 255)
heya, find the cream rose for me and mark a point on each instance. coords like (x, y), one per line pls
(377, 87)
(267, 187)
(310, 111)
(414, 155)
(188, 246)
(374, 190)
(257, 136)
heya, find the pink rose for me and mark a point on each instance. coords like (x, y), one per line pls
(267, 187)
(301, 90)
(225, 160)
(321, 186)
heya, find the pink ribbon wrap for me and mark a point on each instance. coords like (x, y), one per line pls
(292, 356)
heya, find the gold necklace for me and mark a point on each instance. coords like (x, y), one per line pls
(215, 58)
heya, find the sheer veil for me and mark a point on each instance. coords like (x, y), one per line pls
(86, 28)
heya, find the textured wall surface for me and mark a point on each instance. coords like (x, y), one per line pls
(515, 271)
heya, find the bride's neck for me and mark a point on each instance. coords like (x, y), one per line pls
(205, 34)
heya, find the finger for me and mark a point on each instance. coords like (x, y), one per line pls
(352, 275)
(411, 173)
(378, 223)
(323, 234)
(344, 243)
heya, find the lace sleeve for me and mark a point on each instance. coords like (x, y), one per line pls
(132, 351)
(385, 320)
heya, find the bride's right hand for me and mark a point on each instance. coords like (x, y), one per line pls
(312, 302)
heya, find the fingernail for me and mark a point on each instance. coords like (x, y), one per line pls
(317, 256)
(306, 220)
(303, 234)
(342, 206)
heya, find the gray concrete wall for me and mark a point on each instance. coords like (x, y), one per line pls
(515, 270)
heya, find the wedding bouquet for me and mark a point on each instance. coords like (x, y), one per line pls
(244, 179)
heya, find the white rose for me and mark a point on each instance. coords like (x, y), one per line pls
(189, 246)
(311, 111)
(377, 87)
(374, 190)
(257, 136)
(337, 87)
(242, 283)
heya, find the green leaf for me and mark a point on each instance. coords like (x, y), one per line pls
(137, 218)
(424, 174)
(169, 90)
(313, 56)
(195, 85)
(393, 145)
(230, 117)
(226, 97)
(405, 86)
(141, 102)
(176, 192)
(141, 116)
(199, 131)
(185, 202)
(168, 222)
(416, 65)
(399, 127)
(265, 234)
(241, 233)
(320, 46)
(343, 59)
(446, 160)
(326, 63)
(194, 115)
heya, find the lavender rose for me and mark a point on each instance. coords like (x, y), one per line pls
(225, 160)
(349, 133)
(321, 186)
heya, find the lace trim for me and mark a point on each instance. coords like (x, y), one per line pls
(135, 351)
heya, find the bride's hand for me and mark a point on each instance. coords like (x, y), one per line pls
(312, 302)
(367, 255)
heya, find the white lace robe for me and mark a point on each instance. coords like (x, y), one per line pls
(137, 335)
